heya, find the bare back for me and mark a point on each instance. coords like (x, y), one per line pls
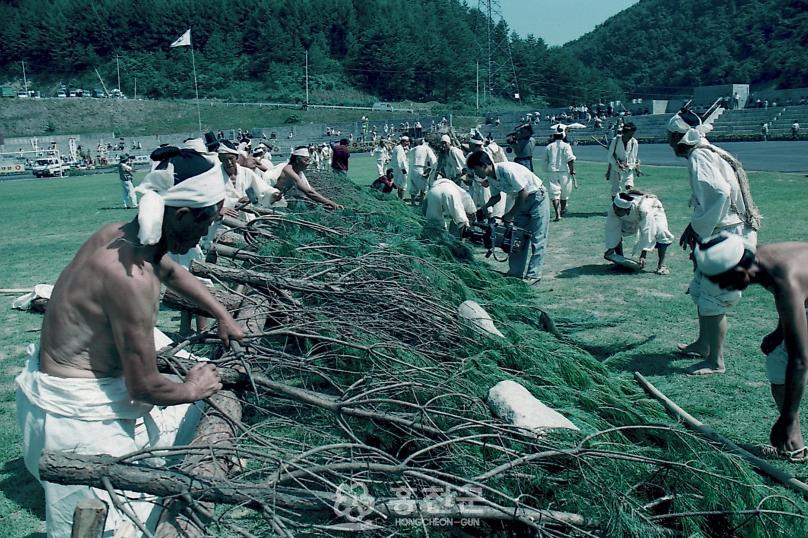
(108, 271)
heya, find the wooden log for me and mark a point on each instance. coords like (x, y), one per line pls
(235, 253)
(258, 279)
(693, 423)
(89, 518)
(71, 468)
(173, 300)
(215, 430)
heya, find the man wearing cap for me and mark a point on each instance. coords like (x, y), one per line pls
(91, 384)
(530, 211)
(421, 162)
(623, 161)
(340, 153)
(559, 163)
(721, 201)
(451, 161)
(522, 143)
(398, 162)
(641, 216)
(293, 178)
(782, 269)
(126, 176)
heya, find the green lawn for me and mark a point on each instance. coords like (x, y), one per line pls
(631, 322)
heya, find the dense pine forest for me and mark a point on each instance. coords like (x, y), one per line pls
(423, 50)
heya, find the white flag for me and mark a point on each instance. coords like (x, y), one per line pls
(184, 40)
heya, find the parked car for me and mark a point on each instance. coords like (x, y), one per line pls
(49, 167)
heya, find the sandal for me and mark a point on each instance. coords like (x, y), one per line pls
(680, 349)
(769, 452)
(663, 271)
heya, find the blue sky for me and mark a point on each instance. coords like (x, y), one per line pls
(558, 21)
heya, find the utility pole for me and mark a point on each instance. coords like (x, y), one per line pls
(24, 78)
(494, 47)
(118, 68)
(478, 87)
(135, 87)
(307, 77)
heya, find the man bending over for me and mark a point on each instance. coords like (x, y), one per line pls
(91, 383)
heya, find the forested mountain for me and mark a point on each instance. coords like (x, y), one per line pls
(668, 46)
(254, 49)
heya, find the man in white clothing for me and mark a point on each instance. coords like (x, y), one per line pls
(421, 162)
(451, 161)
(530, 211)
(623, 160)
(643, 217)
(92, 383)
(559, 163)
(721, 201)
(244, 185)
(398, 162)
(481, 194)
(126, 177)
(447, 203)
(381, 156)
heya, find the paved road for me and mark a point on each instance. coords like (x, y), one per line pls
(766, 156)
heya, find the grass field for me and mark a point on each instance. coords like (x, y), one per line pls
(631, 322)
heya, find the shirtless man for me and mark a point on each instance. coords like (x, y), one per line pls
(293, 177)
(782, 269)
(91, 384)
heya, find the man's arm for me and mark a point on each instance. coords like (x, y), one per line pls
(521, 197)
(132, 318)
(183, 282)
(305, 188)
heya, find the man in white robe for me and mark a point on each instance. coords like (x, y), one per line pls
(623, 160)
(91, 383)
(481, 194)
(641, 217)
(381, 156)
(451, 161)
(421, 162)
(559, 163)
(398, 162)
(721, 202)
(448, 206)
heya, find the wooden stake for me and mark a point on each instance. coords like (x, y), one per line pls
(763, 466)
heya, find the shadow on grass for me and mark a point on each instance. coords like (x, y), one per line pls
(20, 487)
(650, 364)
(584, 214)
(604, 352)
(593, 269)
(116, 208)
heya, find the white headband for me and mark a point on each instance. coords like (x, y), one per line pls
(404, 139)
(692, 135)
(223, 148)
(302, 152)
(622, 203)
(719, 257)
(445, 138)
(159, 190)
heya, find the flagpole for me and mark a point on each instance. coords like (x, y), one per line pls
(196, 88)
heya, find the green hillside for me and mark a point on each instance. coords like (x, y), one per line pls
(422, 50)
(666, 47)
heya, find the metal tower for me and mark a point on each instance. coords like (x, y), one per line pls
(496, 69)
